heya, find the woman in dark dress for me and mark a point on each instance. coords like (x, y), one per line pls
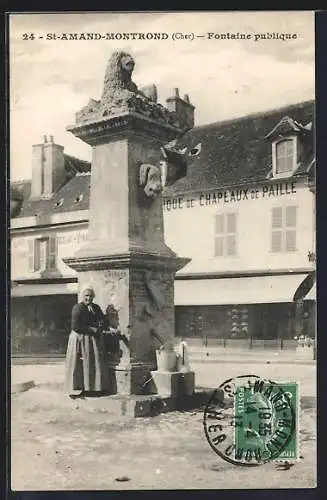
(86, 360)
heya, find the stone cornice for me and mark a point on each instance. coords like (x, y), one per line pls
(94, 132)
(128, 260)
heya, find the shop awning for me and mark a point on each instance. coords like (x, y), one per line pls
(312, 295)
(245, 290)
(30, 290)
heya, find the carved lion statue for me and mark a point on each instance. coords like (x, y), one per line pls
(150, 178)
(118, 77)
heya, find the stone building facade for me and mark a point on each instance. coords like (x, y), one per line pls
(244, 215)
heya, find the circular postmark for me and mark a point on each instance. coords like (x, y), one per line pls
(249, 420)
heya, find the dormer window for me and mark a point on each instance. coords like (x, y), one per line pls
(284, 154)
(288, 139)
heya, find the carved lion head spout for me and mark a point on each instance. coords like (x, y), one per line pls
(118, 75)
(150, 178)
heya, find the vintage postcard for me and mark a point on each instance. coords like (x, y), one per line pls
(163, 259)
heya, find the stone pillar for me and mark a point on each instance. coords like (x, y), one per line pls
(125, 258)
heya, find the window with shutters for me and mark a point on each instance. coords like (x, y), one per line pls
(225, 234)
(284, 154)
(283, 229)
(43, 254)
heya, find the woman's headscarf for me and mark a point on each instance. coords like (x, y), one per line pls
(87, 287)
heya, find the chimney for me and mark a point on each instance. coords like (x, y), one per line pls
(16, 199)
(48, 168)
(182, 109)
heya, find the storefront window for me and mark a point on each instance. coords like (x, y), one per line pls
(41, 325)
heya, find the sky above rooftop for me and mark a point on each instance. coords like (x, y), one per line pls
(50, 80)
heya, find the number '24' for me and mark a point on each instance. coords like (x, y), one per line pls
(28, 36)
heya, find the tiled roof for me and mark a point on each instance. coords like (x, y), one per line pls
(74, 195)
(236, 151)
(287, 124)
(74, 165)
(233, 152)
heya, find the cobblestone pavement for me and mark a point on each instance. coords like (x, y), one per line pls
(58, 444)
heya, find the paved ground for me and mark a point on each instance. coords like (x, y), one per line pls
(208, 374)
(216, 353)
(60, 444)
(304, 355)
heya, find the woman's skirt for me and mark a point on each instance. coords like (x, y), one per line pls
(86, 364)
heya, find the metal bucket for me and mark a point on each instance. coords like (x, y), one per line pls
(166, 360)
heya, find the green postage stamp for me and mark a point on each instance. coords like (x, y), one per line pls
(266, 421)
(250, 421)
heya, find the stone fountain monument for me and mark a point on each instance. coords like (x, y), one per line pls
(126, 258)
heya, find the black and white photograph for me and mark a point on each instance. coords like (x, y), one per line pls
(162, 250)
